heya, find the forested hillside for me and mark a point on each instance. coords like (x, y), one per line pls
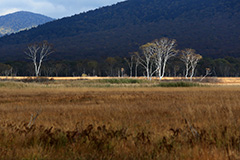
(212, 27)
(22, 20)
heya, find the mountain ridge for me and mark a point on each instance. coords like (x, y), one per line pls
(21, 20)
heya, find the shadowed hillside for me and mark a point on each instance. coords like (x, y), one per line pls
(212, 27)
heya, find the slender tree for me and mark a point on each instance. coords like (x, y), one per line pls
(93, 65)
(194, 59)
(111, 61)
(186, 58)
(37, 52)
(137, 62)
(145, 59)
(130, 64)
(191, 59)
(208, 72)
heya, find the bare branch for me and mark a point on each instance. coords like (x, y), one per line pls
(32, 120)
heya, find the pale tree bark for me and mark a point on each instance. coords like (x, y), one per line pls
(208, 72)
(164, 50)
(37, 52)
(137, 62)
(145, 60)
(190, 58)
(153, 69)
(194, 61)
(185, 57)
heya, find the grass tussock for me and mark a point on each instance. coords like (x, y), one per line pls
(120, 123)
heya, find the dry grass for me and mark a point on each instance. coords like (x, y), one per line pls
(119, 123)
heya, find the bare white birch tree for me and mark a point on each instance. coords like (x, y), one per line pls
(194, 59)
(146, 60)
(190, 58)
(164, 50)
(185, 57)
(156, 55)
(37, 52)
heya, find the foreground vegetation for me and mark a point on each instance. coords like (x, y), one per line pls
(69, 122)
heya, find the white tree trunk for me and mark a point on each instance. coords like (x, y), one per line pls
(163, 68)
(193, 69)
(187, 70)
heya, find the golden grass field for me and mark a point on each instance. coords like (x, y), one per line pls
(82, 121)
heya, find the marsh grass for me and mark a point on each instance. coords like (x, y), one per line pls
(43, 82)
(119, 123)
(10, 84)
(123, 81)
(178, 84)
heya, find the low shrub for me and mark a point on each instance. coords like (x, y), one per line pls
(37, 79)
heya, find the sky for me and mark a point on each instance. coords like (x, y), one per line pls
(53, 8)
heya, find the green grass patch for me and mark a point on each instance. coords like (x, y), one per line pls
(123, 81)
(177, 84)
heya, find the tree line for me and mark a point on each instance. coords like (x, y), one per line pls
(117, 66)
(158, 58)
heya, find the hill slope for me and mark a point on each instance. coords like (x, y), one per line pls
(22, 20)
(212, 27)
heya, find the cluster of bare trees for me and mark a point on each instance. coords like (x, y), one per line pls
(155, 55)
(150, 58)
(190, 59)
